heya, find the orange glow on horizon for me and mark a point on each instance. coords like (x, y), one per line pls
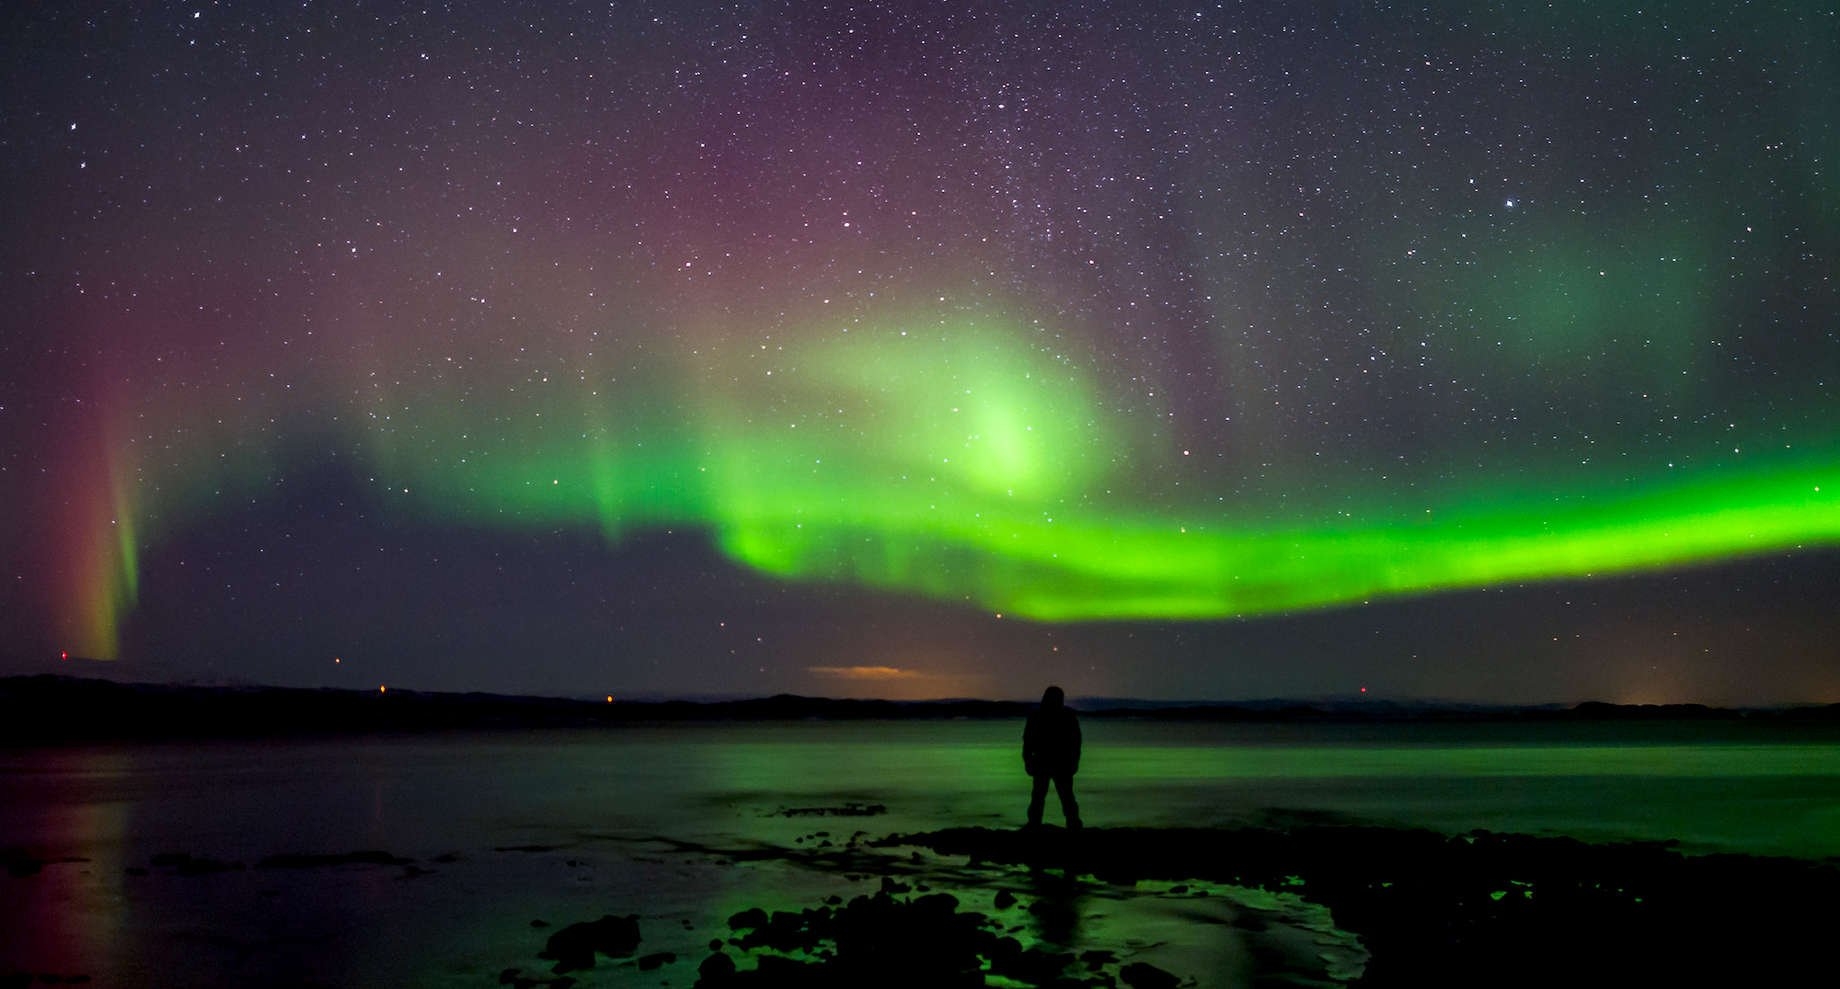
(865, 672)
(903, 683)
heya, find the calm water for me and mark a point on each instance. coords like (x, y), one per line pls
(601, 820)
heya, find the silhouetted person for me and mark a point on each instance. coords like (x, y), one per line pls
(1051, 751)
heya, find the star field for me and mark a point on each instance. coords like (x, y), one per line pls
(1001, 327)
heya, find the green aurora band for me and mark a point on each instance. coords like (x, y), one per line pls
(961, 466)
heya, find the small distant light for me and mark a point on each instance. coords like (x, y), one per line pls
(610, 698)
(336, 660)
(382, 689)
(1363, 690)
(63, 654)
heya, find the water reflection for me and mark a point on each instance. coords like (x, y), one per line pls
(61, 913)
(1056, 916)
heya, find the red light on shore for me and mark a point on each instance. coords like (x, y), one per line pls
(1363, 690)
(64, 655)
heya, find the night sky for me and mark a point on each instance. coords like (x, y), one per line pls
(1446, 350)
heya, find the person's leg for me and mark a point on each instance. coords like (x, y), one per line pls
(1070, 808)
(1038, 796)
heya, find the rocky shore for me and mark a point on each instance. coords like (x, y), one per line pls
(1480, 909)
(1486, 909)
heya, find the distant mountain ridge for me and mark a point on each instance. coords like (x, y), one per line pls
(48, 708)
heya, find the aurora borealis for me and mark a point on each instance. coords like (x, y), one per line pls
(715, 346)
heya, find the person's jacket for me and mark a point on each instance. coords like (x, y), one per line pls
(1051, 742)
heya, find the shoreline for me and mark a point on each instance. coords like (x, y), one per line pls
(50, 709)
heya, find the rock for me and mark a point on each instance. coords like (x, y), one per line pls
(748, 919)
(655, 960)
(1036, 965)
(787, 931)
(302, 861)
(717, 969)
(847, 810)
(938, 903)
(1098, 958)
(516, 979)
(1004, 900)
(1003, 952)
(778, 970)
(574, 946)
(1143, 975)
